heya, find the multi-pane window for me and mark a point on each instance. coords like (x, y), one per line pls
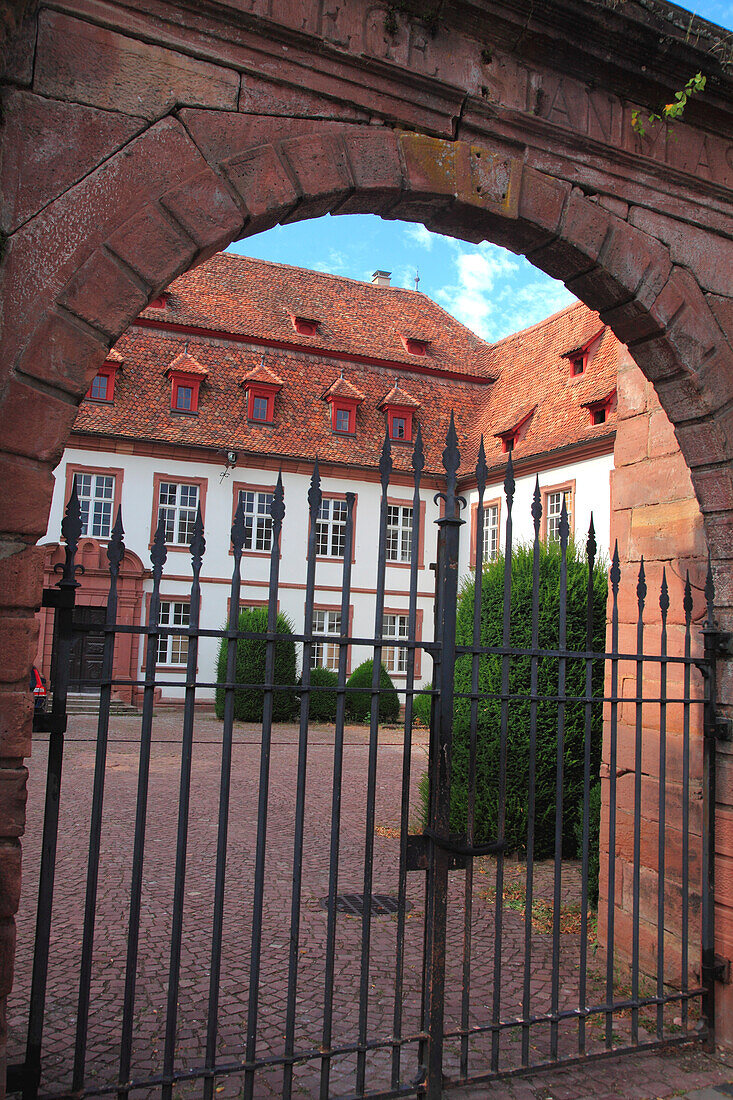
(96, 496)
(491, 532)
(184, 398)
(399, 533)
(173, 648)
(399, 427)
(553, 502)
(257, 519)
(325, 654)
(394, 657)
(343, 420)
(177, 504)
(99, 387)
(331, 528)
(259, 408)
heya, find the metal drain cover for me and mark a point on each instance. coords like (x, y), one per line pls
(383, 905)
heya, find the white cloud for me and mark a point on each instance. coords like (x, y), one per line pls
(472, 298)
(335, 264)
(420, 235)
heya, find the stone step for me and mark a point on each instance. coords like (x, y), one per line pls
(87, 703)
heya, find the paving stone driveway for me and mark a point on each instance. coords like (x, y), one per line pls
(652, 1075)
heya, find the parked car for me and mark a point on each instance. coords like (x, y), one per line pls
(38, 687)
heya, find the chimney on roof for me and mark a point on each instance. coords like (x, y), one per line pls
(381, 278)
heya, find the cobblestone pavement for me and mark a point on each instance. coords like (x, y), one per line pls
(648, 1075)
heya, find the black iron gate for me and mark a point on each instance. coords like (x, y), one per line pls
(451, 977)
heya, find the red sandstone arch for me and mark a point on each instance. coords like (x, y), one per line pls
(171, 192)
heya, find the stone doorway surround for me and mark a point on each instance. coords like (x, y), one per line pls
(140, 139)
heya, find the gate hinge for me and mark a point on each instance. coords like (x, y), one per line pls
(721, 970)
(719, 641)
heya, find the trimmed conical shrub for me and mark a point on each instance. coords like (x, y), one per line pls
(251, 656)
(359, 703)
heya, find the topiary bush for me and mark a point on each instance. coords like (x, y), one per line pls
(323, 703)
(251, 654)
(489, 708)
(359, 703)
(421, 706)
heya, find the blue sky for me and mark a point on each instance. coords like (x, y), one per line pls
(486, 287)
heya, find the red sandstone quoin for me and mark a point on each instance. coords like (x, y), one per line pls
(139, 141)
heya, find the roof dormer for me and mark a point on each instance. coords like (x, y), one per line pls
(344, 400)
(261, 386)
(415, 345)
(515, 430)
(578, 357)
(400, 407)
(160, 302)
(304, 326)
(103, 384)
(186, 375)
(599, 408)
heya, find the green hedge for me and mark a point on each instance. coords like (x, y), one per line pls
(489, 710)
(251, 653)
(421, 707)
(359, 703)
(323, 703)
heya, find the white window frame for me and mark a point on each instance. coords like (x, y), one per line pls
(331, 528)
(394, 629)
(179, 516)
(325, 654)
(173, 648)
(96, 493)
(491, 532)
(399, 533)
(257, 520)
(553, 505)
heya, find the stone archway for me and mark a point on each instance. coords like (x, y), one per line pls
(163, 154)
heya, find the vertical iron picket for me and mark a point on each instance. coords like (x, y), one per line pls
(441, 740)
(590, 549)
(237, 540)
(664, 608)
(418, 463)
(314, 501)
(559, 781)
(708, 814)
(115, 554)
(71, 530)
(338, 766)
(641, 590)
(158, 557)
(197, 548)
(481, 475)
(615, 576)
(684, 961)
(385, 471)
(532, 776)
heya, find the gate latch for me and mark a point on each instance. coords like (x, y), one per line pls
(418, 858)
(723, 728)
(721, 970)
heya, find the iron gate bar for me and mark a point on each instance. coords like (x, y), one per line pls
(710, 636)
(115, 554)
(197, 549)
(590, 551)
(385, 471)
(338, 762)
(532, 777)
(559, 778)
(64, 604)
(158, 557)
(687, 602)
(418, 463)
(481, 475)
(314, 500)
(641, 592)
(664, 608)
(217, 931)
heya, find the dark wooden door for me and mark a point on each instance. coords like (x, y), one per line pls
(85, 668)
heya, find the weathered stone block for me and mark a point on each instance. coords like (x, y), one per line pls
(632, 439)
(90, 64)
(19, 408)
(691, 328)
(542, 200)
(7, 955)
(18, 638)
(150, 245)
(13, 797)
(16, 723)
(25, 495)
(321, 169)
(21, 579)
(206, 210)
(63, 354)
(10, 876)
(651, 482)
(103, 295)
(260, 178)
(708, 255)
(636, 262)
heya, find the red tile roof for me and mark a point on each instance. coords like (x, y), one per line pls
(251, 295)
(343, 388)
(186, 364)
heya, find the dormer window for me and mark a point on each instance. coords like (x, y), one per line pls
(578, 358)
(344, 400)
(305, 326)
(160, 302)
(186, 375)
(102, 388)
(262, 387)
(415, 346)
(508, 441)
(515, 431)
(400, 407)
(600, 409)
(578, 364)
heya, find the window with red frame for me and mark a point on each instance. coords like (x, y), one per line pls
(306, 326)
(343, 418)
(103, 385)
(261, 404)
(399, 424)
(185, 393)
